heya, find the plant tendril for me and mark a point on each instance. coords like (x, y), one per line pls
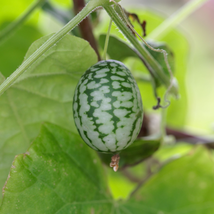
(156, 50)
(158, 104)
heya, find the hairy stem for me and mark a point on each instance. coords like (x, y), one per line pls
(175, 19)
(85, 27)
(92, 5)
(11, 28)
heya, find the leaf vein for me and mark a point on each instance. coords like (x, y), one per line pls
(81, 168)
(19, 121)
(38, 94)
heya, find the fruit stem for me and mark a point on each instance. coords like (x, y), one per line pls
(115, 162)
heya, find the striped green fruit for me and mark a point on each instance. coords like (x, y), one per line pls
(107, 107)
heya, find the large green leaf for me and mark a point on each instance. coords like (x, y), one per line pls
(43, 93)
(60, 174)
(183, 186)
(57, 174)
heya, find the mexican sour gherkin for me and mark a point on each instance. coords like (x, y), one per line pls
(107, 107)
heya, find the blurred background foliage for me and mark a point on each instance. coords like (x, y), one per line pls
(194, 51)
(191, 42)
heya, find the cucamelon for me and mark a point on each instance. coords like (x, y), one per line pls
(107, 107)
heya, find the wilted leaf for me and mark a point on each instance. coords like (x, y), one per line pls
(159, 57)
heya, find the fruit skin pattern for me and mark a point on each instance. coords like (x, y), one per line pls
(107, 107)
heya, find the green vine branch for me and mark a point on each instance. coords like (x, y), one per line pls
(92, 5)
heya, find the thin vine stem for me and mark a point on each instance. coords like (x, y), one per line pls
(160, 31)
(107, 40)
(11, 28)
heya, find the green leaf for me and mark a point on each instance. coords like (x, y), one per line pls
(58, 174)
(141, 149)
(183, 186)
(117, 49)
(168, 151)
(13, 50)
(43, 93)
